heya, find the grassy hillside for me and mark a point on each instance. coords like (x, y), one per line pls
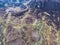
(34, 27)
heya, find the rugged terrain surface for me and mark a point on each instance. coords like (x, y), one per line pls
(36, 26)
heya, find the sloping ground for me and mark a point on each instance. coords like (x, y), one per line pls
(51, 20)
(33, 27)
(20, 30)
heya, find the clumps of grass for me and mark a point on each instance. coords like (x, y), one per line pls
(1, 20)
(36, 32)
(1, 30)
(29, 32)
(58, 37)
(39, 25)
(47, 37)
